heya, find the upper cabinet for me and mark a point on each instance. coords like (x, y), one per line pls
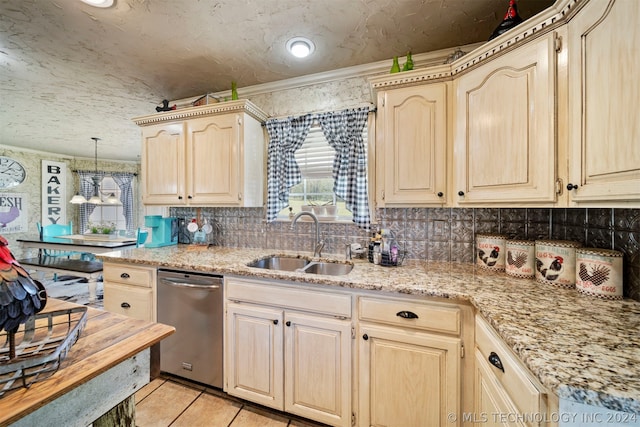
(411, 141)
(604, 100)
(204, 156)
(504, 137)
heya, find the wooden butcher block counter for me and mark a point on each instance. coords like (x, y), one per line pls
(103, 369)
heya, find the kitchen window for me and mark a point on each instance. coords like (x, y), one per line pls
(315, 160)
(109, 214)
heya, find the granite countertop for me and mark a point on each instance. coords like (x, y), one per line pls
(581, 348)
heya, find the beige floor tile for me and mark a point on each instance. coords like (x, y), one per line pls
(148, 389)
(253, 417)
(208, 411)
(164, 405)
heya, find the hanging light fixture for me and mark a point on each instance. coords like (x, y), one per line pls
(95, 199)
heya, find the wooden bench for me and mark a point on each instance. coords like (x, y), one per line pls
(91, 270)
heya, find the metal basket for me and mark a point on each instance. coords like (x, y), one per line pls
(42, 343)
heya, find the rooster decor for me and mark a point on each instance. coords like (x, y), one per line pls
(518, 260)
(597, 277)
(491, 258)
(20, 296)
(553, 271)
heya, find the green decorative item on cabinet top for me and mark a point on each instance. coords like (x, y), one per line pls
(234, 91)
(408, 66)
(395, 68)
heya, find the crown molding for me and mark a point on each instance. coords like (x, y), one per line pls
(239, 106)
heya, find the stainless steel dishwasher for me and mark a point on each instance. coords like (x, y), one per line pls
(193, 304)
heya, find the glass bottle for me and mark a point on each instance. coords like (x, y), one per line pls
(234, 91)
(408, 66)
(395, 68)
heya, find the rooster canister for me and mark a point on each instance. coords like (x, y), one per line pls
(599, 273)
(490, 251)
(521, 255)
(556, 262)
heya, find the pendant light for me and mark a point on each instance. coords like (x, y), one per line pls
(95, 199)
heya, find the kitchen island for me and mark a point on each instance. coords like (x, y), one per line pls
(106, 366)
(580, 348)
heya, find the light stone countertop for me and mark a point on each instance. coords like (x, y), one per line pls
(581, 348)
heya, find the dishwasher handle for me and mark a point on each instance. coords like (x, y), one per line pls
(183, 284)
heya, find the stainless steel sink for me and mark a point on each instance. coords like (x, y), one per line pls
(302, 265)
(280, 263)
(328, 268)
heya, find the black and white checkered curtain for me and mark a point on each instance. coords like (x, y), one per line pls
(86, 189)
(343, 131)
(124, 180)
(285, 137)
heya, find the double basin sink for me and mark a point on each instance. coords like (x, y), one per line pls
(301, 265)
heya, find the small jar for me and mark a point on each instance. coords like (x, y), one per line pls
(490, 251)
(521, 257)
(556, 262)
(599, 273)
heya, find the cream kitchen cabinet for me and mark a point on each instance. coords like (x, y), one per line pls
(504, 148)
(505, 393)
(204, 156)
(411, 142)
(130, 290)
(410, 362)
(289, 349)
(604, 100)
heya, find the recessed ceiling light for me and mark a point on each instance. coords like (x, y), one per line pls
(300, 47)
(99, 3)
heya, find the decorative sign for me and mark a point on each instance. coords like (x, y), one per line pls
(54, 194)
(14, 217)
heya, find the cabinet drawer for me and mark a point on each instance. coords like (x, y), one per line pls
(132, 301)
(289, 297)
(129, 275)
(525, 392)
(430, 316)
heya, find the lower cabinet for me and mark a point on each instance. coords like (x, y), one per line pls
(505, 393)
(290, 349)
(410, 363)
(130, 290)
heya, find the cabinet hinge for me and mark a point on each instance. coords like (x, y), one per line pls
(239, 196)
(353, 333)
(353, 419)
(462, 351)
(559, 186)
(557, 43)
(239, 121)
(382, 194)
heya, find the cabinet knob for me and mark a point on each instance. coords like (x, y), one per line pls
(124, 276)
(407, 314)
(189, 196)
(571, 186)
(179, 197)
(494, 359)
(365, 337)
(440, 194)
(288, 323)
(275, 322)
(125, 305)
(460, 193)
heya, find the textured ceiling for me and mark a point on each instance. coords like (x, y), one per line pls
(69, 71)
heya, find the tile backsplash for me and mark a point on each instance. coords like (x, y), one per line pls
(437, 234)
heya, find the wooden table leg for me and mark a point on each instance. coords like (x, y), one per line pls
(121, 415)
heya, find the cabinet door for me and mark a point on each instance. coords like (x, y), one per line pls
(318, 368)
(492, 406)
(163, 152)
(408, 378)
(504, 143)
(254, 358)
(213, 160)
(132, 301)
(604, 100)
(411, 152)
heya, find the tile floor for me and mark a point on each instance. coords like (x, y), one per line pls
(171, 401)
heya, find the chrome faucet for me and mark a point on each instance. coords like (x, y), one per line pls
(319, 243)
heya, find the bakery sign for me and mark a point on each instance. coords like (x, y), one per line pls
(54, 195)
(13, 213)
